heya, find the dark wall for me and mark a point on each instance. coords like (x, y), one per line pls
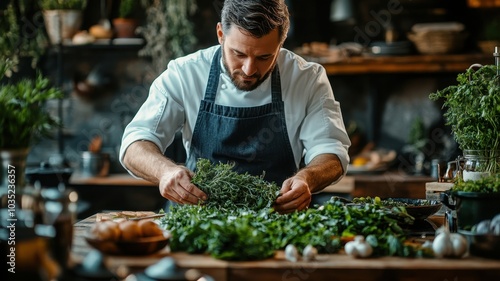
(127, 77)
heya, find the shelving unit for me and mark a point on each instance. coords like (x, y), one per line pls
(407, 64)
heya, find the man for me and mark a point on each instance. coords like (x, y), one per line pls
(248, 101)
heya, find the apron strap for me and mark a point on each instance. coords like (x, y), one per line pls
(213, 77)
(213, 80)
(276, 85)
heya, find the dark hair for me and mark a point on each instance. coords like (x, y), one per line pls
(257, 17)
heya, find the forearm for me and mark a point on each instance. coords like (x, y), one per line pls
(145, 160)
(321, 171)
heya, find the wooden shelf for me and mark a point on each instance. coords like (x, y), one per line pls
(407, 64)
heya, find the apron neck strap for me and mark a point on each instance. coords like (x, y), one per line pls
(213, 80)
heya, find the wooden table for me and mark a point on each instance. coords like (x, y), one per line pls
(326, 267)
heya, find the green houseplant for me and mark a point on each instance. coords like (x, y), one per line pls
(23, 118)
(63, 4)
(472, 109)
(473, 112)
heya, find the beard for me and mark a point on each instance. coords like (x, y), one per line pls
(239, 78)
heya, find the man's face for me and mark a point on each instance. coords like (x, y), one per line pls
(248, 60)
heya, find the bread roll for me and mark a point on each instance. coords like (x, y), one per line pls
(130, 230)
(150, 228)
(99, 32)
(106, 230)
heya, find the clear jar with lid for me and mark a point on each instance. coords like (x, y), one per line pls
(479, 163)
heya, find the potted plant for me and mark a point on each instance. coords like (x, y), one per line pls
(126, 22)
(63, 18)
(473, 112)
(23, 119)
(472, 109)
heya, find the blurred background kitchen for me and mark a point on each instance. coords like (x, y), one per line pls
(381, 65)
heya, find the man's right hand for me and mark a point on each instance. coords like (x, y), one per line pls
(176, 186)
(145, 160)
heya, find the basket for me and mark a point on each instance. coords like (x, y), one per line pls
(438, 42)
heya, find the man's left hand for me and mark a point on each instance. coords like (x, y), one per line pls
(295, 195)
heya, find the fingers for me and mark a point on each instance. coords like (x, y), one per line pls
(299, 204)
(177, 187)
(295, 196)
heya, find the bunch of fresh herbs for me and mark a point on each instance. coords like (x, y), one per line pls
(473, 108)
(490, 184)
(228, 189)
(244, 234)
(473, 112)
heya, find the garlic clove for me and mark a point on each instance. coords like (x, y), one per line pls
(364, 249)
(460, 245)
(291, 253)
(350, 249)
(309, 253)
(442, 245)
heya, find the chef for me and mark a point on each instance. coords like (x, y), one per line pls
(247, 101)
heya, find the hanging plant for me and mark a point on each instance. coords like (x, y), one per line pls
(169, 33)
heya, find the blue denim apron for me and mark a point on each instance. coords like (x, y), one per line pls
(254, 138)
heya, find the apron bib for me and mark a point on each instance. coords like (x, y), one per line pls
(254, 138)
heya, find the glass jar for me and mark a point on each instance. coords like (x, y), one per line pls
(479, 163)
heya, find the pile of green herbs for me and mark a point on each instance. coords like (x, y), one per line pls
(393, 202)
(488, 184)
(473, 108)
(239, 231)
(230, 190)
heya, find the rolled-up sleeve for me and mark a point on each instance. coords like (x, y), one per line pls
(323, 130)
(158, 119)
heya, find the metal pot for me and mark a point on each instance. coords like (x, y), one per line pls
(471, 207)
(48, 176)
(95, 164)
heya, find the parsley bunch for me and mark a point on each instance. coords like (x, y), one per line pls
(473, 108)
(244, 234)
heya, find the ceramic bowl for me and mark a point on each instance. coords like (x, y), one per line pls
(420, 209)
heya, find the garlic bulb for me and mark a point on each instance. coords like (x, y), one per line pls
(448, 244)
(291, 253)
(358, 248)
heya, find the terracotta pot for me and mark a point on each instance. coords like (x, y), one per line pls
(125, 28)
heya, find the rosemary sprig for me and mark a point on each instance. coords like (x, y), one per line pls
(230, 190)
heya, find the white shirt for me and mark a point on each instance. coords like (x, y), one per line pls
(313, 116)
